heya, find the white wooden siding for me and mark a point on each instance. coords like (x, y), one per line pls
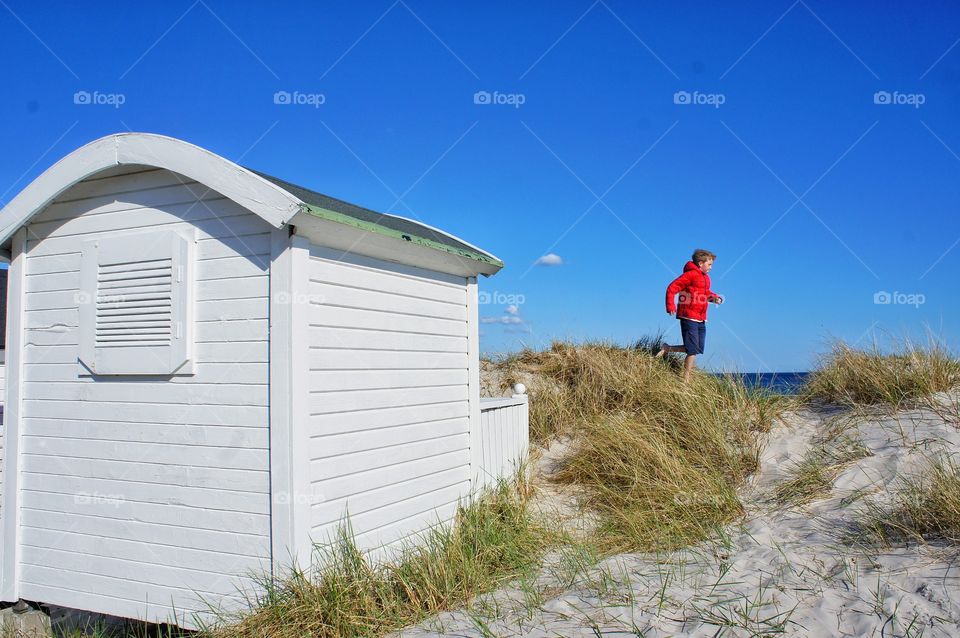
(504, 439)
(389, 397)
(144, 494)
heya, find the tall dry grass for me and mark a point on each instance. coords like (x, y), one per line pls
(570, 383)
(899, 376)
(661, 460)
(493, 540)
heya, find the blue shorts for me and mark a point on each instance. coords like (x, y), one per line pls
(694, 334)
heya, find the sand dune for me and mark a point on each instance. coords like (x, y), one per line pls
(783, 570)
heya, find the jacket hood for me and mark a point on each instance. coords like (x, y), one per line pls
(690, 266)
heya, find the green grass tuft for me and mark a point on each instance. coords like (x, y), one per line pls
(813, 476)
(899, 378)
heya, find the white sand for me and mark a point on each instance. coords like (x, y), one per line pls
(780, 571)
(558, 502)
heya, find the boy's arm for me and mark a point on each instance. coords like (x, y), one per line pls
(676, 286)
(712, 296)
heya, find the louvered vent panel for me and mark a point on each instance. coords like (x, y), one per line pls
(134, 305)
(135, 313)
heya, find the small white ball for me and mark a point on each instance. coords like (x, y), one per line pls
(519, 389)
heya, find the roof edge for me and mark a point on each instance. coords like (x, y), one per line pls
(275, 205)
(340, 218)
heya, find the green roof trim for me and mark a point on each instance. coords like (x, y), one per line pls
(341, 212)
(341, 218)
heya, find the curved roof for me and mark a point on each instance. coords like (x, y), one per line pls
(273, 199)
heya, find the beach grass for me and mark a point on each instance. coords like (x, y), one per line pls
(924, 507)
(900, 376)
(812, 477)
(569, 383)
(494, 539)
(660, 460)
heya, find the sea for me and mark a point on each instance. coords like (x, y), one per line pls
(779, 382)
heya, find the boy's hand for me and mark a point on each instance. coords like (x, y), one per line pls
(718, 300)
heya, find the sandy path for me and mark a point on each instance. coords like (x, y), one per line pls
(779, 572)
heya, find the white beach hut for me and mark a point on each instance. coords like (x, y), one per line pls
(207, 367)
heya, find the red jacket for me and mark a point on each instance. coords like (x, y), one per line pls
(694, 288)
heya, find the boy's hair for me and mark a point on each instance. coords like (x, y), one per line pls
(700, 255)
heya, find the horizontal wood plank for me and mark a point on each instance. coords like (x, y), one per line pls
(372, 420)
(335, 317)
(333, 380)
(346, 401)
(331, 359)
(361, 339)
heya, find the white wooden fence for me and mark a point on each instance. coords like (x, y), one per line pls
(504, 437)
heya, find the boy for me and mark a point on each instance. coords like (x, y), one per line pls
(694, 288)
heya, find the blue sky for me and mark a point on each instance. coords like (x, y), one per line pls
(815, 146)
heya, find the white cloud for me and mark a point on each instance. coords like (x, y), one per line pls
(512, 310)
(550, 259)
(506, 319)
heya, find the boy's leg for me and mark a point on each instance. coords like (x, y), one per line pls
(664, 349)
(688, 365)
(693, 336)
